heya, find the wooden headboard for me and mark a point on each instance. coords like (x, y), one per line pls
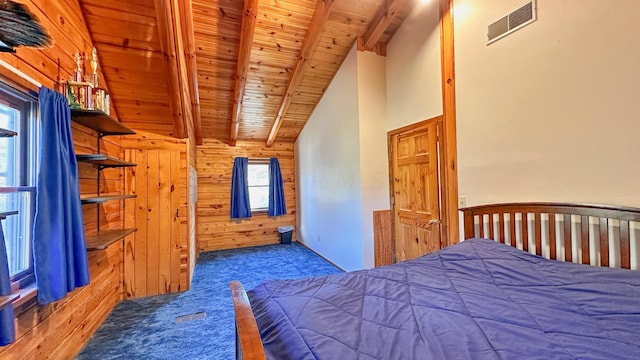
(591, 234)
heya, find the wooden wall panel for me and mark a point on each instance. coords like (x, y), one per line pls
(108, 215)
(59, 330)
(382, 240)
(216, 231)
(157, 259)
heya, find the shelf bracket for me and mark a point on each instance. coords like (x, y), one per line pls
(98, 139)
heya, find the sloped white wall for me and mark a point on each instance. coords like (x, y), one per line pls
(374, 169)
(550, 112)
(369, 96)
(328, 173)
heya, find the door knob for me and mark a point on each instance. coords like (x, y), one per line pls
(434, 221)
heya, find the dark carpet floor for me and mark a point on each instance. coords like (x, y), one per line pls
(146, 328)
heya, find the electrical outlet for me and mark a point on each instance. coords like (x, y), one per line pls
(462, 202)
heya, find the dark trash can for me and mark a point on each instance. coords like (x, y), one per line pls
(285, 234)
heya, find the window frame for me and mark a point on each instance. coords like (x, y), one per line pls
(257, 161)
(28, 137)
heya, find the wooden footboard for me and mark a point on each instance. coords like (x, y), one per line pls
(596, 235)
(248, 342)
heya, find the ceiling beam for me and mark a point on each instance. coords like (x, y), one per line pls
(380, 48)
(381, 23)
(186, 12)
(320, 17)
(249, 20)
(166, 33)
(183, 73)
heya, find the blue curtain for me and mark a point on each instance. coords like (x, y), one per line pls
(277, 205)
(59, 249)
(240, 207)
(7, 329)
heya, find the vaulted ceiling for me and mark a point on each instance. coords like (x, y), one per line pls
(230, 69)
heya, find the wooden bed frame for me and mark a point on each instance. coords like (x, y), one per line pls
(584, 233)
(592, 230)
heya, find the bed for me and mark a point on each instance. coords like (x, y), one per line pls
(478, 299)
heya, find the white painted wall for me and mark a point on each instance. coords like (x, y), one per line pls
(414, 90)
(374, 169)
(369, 96)
(550, 112)
(328, 173)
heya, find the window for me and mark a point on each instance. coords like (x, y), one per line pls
(18, 146)
(258, 176)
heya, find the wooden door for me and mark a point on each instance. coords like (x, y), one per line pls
(152, 262)
(415, 202)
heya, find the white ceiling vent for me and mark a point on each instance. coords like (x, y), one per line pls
(524, 15)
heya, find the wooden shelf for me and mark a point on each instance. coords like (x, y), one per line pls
(4, 214)
(105, 238)
(103, 161)
(7, 133)
(102, 199)
(100, 122)
(8, 299)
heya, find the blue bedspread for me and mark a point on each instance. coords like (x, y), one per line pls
(475, 300)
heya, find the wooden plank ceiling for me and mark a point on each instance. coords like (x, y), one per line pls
(262, 65)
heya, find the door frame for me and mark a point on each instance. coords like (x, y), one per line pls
(442, 178)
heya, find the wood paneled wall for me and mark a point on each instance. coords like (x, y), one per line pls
(59, 330)
(109, 214)
(157, 255)
(215, 164)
